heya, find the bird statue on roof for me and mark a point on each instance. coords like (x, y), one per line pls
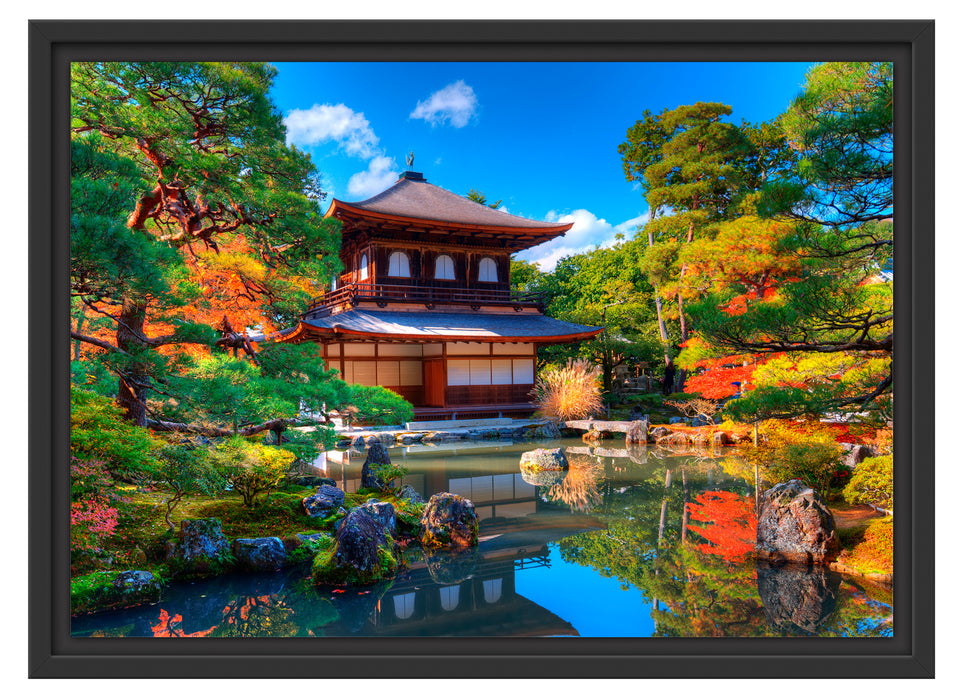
(409, 159)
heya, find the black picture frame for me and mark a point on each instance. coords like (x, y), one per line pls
(53, 653)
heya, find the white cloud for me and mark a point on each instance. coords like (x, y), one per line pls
(321, 123)
(379, 175)
(455, 103)
(587, 232)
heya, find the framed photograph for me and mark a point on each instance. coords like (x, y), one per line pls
(481, 349)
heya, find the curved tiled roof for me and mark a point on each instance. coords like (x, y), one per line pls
(415, 198)
(433, 325)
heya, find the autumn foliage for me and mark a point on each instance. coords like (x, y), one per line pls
(727, 523)
(718, 376)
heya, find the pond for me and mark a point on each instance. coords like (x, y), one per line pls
(634, 542)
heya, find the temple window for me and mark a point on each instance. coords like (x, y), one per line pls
(399, 265)
(487, 270)
(444, 268)
(364, 267)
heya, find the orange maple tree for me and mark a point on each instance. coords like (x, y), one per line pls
(728, 524)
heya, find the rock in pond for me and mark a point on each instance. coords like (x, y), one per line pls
(543, 467)
(637, 433)
(384, 513)
(550, 460)
(260, 554)
(326, 501)
(200, 546)
(720, 439)
(449, 521)
(376, 454)
(547, 430)
(363, 552)
(795, 525)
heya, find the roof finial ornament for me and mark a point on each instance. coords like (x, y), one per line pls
(409, 160)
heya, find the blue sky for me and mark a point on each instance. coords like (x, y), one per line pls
(540, 136)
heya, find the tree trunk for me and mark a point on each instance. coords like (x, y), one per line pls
(663, 333)
(134, 381)
(80, 319)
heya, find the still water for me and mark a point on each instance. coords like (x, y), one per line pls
(628, 543)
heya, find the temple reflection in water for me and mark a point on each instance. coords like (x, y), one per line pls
(474, 592)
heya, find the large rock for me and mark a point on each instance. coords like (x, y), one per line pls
(326, 501)
(677, 438)
(362, 553)
(200, 546)
(637, 433)
(543, 467)
(658, 432)
(384, 513)
(449, 520)
(795, 525)
(260, 553)
(720, 439)
(376, 454)
(544, 460)
(547, 430)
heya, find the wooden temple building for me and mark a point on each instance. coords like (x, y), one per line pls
(424, 306)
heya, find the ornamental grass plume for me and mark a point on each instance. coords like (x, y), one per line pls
(569, 392)
(580, 489)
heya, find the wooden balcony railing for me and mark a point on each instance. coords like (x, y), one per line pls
(383, 294)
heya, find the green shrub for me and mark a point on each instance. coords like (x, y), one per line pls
(388, 473)
(871, 483)
(251, 468)
(185, 469)
(375, 405)
(815, 463)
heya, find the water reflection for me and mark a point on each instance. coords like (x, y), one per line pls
(672, 529)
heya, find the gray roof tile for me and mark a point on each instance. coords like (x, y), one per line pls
(432, 324)
(418, 199)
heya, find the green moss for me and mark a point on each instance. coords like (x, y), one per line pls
(198, 567)
(326, 570)
(309, 549)
(95, 592)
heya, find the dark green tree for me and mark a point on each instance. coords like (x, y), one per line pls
(177, 169)
(192, 221)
